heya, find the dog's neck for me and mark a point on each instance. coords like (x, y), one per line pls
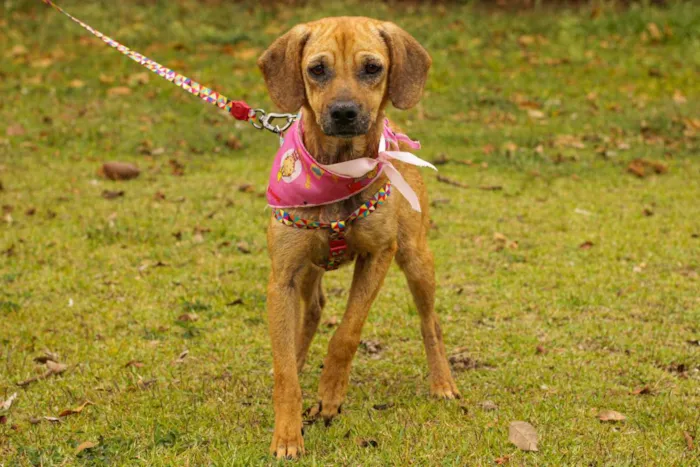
(331, 150)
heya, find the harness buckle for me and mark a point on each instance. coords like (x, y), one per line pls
(338, 247)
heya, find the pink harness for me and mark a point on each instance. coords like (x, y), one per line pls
(298, 180)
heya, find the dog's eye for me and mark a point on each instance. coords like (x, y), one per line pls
(372, 68)
(317, 70)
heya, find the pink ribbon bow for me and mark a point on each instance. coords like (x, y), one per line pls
(360, 167)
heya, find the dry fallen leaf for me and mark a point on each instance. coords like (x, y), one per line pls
(489, 406)
(56, 368)
(134, 363)
(188, 317)
(449, 181)
(84, 445)
(8, 403)
(371, 347)
(610, 416)
(76, 410)
(112, 194)
(181, 357)
(523, 435)
(243, 247)
(119, 170)
(586, 245)
(366, 442)
(118, 91)
(688, 440)
(15, 130)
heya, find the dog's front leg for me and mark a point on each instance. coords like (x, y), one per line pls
(283, 303)
(370, 271)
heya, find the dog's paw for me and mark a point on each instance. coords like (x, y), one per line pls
(445, 389)
(287, 447)
(319, 411)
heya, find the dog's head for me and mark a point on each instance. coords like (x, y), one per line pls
(344, 70)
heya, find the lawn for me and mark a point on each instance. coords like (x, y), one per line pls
(568, 282)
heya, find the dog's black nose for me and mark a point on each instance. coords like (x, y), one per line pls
(344, 113)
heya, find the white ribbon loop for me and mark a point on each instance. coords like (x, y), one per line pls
(360, 167)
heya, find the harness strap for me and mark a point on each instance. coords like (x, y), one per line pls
(337, 244)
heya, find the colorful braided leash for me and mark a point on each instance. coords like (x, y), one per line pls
(238, 109)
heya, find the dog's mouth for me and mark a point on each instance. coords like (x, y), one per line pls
(347, 130)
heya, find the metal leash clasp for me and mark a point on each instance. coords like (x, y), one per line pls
(264, 120)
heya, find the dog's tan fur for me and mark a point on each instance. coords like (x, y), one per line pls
(295, 297)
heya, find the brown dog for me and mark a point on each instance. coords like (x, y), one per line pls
(342, 72)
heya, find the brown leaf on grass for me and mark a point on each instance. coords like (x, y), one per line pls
(488, 149)
(139, 78)
(177, 168)
(3, 419)
(18, 51)
(491, 187)
(371, 347)
(366, 442)
(639, 167)
(536, 114)
(439, 201)
(76, 410)
(449, 181)
(46, 357)
(331, 322)
(188, 317)
(84, 446)
(106, 79)
(679, 98)
(76, 84)
(238, 301)
(118, 91)
(233, 142)
(8, 403)
(388, 405)
(689, 440)
(181, 358)
(441, 159)
(247, 188)
(243, 247)
(52, 419)
(119, 170)
(134, 363)
(489, 406)
(15, 130)
(523, 435)
(645, 390)
(462, 362)
(112, 194)
(587, 245)
(56, 368)
(144, 384)
(610, 416)
(504, 242)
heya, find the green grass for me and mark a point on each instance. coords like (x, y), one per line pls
(79, 274)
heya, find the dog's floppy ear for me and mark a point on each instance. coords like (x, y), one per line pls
(409, 66)
(281, 66)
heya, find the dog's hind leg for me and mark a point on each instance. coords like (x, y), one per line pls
(370, 271)
(416, 261)
(313, 302)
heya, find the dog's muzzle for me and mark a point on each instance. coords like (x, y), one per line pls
(345, 119)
